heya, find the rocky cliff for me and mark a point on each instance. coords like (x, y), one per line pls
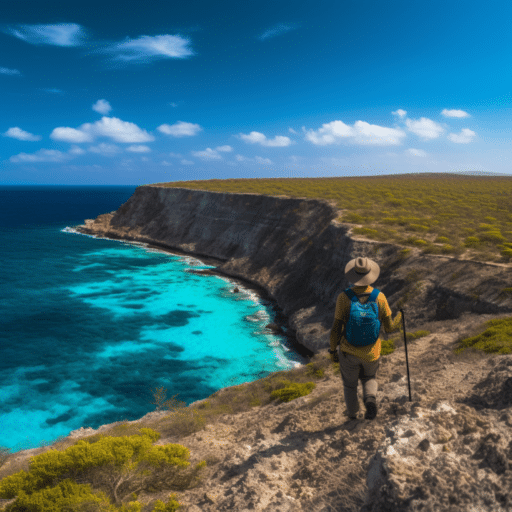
(296, 250)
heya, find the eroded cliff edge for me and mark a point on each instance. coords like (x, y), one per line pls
(296, 250)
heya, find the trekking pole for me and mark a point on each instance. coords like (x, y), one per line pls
(406, 357)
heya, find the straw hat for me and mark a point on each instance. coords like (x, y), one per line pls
(362, 271)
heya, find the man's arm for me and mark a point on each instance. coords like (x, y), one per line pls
(337, 329)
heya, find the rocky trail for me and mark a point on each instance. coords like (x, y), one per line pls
(450, 449)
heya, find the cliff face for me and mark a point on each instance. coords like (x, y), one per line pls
(296, 250)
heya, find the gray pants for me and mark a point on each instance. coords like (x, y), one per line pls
(352, 369)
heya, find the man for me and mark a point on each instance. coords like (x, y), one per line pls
(360, 358)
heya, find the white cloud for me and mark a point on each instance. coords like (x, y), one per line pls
(180, 129)
(207, 154)
(105, 149)
(76, 150)
(70, 135)
(401, 113)
(361, 133)
(18, 133)
(102, 107)
(425, 128)
(416, 152)
(277, 30)
(43, 155)
(464, 137)
(145, 48)
(454, 113)
(261, 160)
(176, 155)
(226, 149)
(291, 130)
(165, 162)
(260, 138)
(138, 149)
(63, 34)
(187, 162)
(112, 127)
(120, 131)
(7, 71)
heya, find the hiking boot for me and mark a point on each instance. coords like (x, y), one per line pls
(371, 410)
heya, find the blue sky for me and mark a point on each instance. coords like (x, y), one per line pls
(129, 93)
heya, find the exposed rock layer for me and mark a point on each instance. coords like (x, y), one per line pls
(296, 250)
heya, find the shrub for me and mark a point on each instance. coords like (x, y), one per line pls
(441, 240)
(119, 463)
(66, 494)
(314, 370)
(292, 391)
(171, 506)
(507, 253)
(472, 241)
(496, 339)
(492, 236)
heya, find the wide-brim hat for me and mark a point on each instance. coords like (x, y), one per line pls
(362, 271)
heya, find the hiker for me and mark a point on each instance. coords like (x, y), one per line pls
(360, 312)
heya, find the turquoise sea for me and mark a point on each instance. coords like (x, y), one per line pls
(90, 327)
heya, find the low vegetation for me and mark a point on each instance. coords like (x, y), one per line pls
(450, 214)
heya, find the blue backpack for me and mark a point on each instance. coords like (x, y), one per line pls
(363, 326)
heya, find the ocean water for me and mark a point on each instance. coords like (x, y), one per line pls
(90, 327)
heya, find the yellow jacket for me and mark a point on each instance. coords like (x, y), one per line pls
(370, 352)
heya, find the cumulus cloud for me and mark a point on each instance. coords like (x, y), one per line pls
(464, 137)
(7, 71)
(226, 149)
(291, 130)
(260, 138)
(416, 152)
(70, 135)
(43, 155)
(187, 162)
(454, 113)
(18, 133)
(277, 30)
(424, 128)
(361, 133)
(261, 160)
(139, 149)
(102, 107)
(63, 34)
(207, 154)
(400, 113)
(180, 129)
(105, 149)
(112, 127)
(76, 150)
(146, 48)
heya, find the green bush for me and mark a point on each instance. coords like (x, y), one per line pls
(292, 391)
(492, 236)
(496, 339)
(171, 506)
(125, 462)
(64, 495)
(472, 241)
(442, 240)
